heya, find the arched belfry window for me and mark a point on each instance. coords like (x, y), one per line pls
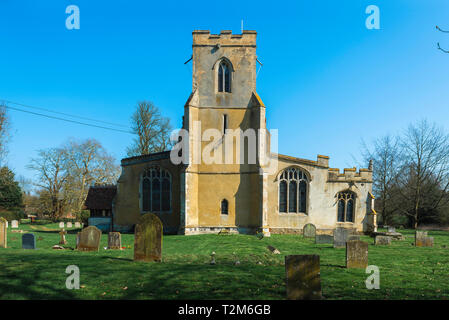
(293, 191)
(156, 190)
(224, 206)
(224, 76)
(345, 206)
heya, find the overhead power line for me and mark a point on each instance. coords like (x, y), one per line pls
(63, 114)
(67, 120)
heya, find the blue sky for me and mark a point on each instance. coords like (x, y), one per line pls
(327, 80)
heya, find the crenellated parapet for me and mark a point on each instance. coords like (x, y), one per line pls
(350, 175)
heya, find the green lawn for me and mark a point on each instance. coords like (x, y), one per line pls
(406, 272)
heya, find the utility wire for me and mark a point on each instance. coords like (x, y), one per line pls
(67, 120)
(64, 114)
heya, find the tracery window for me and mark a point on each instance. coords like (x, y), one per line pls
(156, 190)
(346, 205)
(293, 185)
(224, 77)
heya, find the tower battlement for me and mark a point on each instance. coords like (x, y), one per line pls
(225, 38)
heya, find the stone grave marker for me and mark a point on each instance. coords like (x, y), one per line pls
(62, 233)
(69, 224)
(77, 225)
(89, 239)
(61, 225)
(382, 240)
(392, 229)
(303, 277)
(77, 240)
(148, 239)
(3, 233)
(422, 240)
(114, 241)
(28, 241)
(340, 237)
(323, 239)
(14, 224)
(309, 231)
(356, 254)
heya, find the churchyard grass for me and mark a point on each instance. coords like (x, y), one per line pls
(185, 272)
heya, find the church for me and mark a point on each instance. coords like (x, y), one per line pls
(270, 193)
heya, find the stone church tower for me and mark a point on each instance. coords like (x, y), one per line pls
(222, 193)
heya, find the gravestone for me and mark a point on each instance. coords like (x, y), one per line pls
(148, 239)
(61, 224)
(422, 240)
(69, 224)
(324, 238)
(340, 237)
(62, 233)
(392, 229)
(14, 224)
(356, 254)
(77, 225)
(382, 240)
(77, 241)
(89, 239)
(303, 277)
(309, 231)
(114, 241)
(28, 241)
(352, 237)
(3, 233)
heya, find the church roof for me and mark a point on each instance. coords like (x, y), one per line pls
(100, 197)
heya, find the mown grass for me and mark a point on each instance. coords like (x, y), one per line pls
(406, 272)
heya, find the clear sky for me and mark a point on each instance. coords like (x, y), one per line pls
(327, 80)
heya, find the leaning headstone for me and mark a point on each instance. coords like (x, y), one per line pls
(303, 277)
(114, 241)
(69, 224)
(14, 224)
(324, 239)
(3, 233)
(62, 233)
(89, 239)
(273, 250)
(382, 240)
(61, 224)
(28, 241)
(148, 239)
(309, 231)
(77, 225)
(356, 254)
(340, 237)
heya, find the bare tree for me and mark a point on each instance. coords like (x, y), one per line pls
(52, 176)
(4, 132)
(87, 163)
(386, 158)
(424, 179)
(152, 130)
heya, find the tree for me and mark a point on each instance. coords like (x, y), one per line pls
(52, 176)
(65, 174)
(386, 159)
(87, 163)
(4, 132)
(10, 192)
(424, 180)
(152, 130)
